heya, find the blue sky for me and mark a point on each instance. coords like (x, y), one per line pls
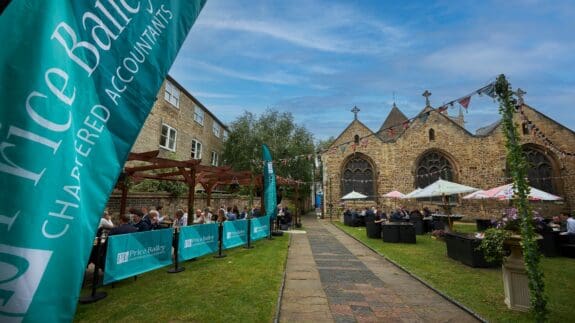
(318, 59)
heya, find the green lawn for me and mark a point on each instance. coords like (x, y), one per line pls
(481, 290)
(244, 287)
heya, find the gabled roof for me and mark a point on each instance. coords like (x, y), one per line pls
(394, 118)
(348, 127)
(484, 131)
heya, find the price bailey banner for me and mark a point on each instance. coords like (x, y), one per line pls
(260, 228)
(135, 253)
(78, 80)
(235, 233)
(270, 198)
(197, 240)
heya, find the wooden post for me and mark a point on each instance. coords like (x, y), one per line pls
(191, 191)
(124, 198)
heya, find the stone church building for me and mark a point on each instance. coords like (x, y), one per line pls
(415, 153)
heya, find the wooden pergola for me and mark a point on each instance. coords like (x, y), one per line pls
(192, 173)
(189, 172)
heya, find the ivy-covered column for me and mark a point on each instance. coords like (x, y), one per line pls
(518, 171)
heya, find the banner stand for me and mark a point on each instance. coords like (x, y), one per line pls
(177, 268)
(249, 245)
(220, 240)
(95, 295)
(271, 229)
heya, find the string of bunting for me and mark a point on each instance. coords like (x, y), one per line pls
(464, 101)
(536, 132)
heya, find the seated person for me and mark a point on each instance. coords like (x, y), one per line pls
(155, 224)
(208, 215)
(570, 225)
(181, 219)
(139, 223)
(231, 215)
(416, 215)
(106, 224)
(124, 227)
(397, 215)
(199, 217)
(426, 212)
(287, 218)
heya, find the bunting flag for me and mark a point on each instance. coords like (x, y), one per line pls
(442, 109)
(488, 90)
(78, 81)
(465, 102)
(406, 124)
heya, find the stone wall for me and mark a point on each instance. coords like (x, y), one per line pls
(170, 204)
(182, 119)
(478, 161)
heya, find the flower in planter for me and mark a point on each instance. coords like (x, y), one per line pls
(438, 234)
(509, 225)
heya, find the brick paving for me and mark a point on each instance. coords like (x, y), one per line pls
(333, 278)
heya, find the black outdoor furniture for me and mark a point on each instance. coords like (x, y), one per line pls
(347, 218)
(372, 229)
(398, 232)
(419, 227)
(463, 248)
(483, 224)
(407, 233)
(357, 220)
(567, 245)
(549, 245)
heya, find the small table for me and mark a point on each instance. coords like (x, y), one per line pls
(444, 218)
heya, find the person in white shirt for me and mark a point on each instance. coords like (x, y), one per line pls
(570, 225)
(208, 216)
(181, 219)
(199, 217)
(106, 222)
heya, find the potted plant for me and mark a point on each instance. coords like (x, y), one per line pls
(503, 243)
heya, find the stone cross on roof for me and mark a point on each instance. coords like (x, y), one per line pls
(427, 94)
(355, 110)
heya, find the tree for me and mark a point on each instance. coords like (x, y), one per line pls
(289, 143)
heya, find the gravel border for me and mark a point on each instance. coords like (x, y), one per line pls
(281, 291)
(449, 299)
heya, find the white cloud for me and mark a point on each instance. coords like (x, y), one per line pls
(487, 59)
(275, 77)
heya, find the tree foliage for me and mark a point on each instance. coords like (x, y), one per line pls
(284, 137)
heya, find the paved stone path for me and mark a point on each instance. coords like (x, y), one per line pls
(333, 278)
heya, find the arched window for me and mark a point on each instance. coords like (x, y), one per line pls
(358, 175)
(356, 139)
(539, 169)
(431, 135)
(432, 166)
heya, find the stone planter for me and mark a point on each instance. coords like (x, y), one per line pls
(515, 281)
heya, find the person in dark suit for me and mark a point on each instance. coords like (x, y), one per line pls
(140, 224)
(124, 227)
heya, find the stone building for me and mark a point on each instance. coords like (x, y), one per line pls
(433, 145)
(182, 128)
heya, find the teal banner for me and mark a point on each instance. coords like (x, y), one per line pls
(131, 254)
(260, 228)
(270, 198)
(197, 240)
(78, 80)
(235, 233)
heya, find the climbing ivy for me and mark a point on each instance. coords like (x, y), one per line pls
(518, 169)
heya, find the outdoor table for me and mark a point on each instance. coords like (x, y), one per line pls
(398, 232)
(444, 219)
